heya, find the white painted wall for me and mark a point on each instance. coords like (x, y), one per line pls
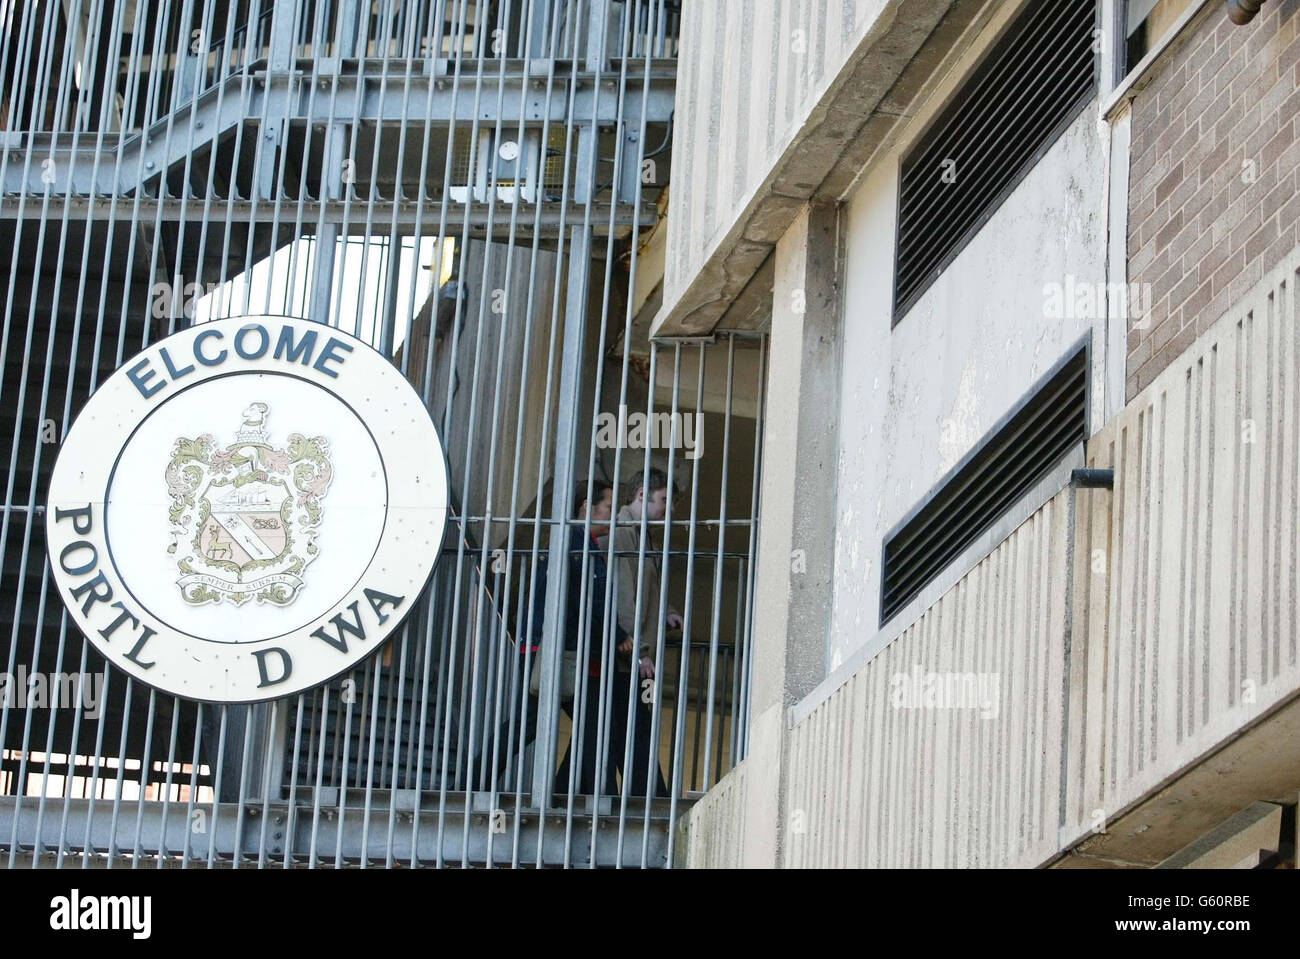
(916, 399)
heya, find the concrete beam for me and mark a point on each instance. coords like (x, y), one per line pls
(1260, 763)
(898, 58)
(796, 511)
(330, 833)
(405, 215)
(1240, 841)
(359, 92)
(752, 309)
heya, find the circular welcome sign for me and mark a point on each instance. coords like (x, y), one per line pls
(246, 509)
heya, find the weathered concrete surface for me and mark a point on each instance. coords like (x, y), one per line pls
(1262, 764)
(801, 97)
(920, 395)
(792, 592)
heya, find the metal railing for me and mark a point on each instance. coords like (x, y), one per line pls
(144, 60)
(290, 180)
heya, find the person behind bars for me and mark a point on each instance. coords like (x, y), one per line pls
(639, 622)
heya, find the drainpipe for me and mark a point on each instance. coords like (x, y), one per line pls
(1242, 12)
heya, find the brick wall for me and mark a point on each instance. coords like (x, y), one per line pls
(1200, 232)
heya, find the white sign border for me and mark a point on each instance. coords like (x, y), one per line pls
(221, 672)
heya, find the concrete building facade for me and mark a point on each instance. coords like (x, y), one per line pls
(1087, 638)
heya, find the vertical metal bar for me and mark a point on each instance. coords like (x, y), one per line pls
(746, 654)
(316, 804)
(737, 642)
(284, 25)
(436, 11)
(167, 784)
(718, 566)
(446, 675)
(191, 801)
(638, 605)
(683, 684)
(216, 783)
(528, 610)
(652, 760)
(575, 331)
(146, 761)
(575, 325)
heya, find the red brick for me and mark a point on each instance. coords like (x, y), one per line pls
(1183, 290)
(1195, 203)
(1139, 261)
(1277, 197)
(1290, 160)
(1197, 233)
(1168, 184)
(1290, 57)
(1165, 282)
(1197, 251)
(1213, 63)
(1276, 147)
(1290, 107)
(1246, 227)
(1261, 240)
(1158, 312)
(1259, 137)
(1212, 313)
(1225, 274)
(1141, 354)
(1182, 197)
(1149, 372)
(1197, 302)
(1166, 234)
(1214, 209)
(1243, 282)
(1237, 123)
(1183, 341)
(1163, 333)
(1287, 240)
(1215, 257)
(1290, 214)
(1227, 77)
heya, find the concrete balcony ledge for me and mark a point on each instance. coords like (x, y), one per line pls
(793, 117)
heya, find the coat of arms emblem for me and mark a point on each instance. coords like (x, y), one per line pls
(245, 516)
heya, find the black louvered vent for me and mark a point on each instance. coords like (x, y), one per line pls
(1015, 105)
(1002, 468)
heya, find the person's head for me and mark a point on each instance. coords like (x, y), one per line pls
(649, 493)
(599, 505)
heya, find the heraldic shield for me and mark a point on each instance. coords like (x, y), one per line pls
(245, 517)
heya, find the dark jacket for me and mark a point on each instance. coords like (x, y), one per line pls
(595, 598)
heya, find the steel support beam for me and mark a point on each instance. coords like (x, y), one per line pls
(325, 249)
(407, 215)
(567, 446)
(1240, 842)
(357, 97)
(274, 829)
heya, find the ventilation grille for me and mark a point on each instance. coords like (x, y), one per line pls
(1012, 108)
(1002, 468)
